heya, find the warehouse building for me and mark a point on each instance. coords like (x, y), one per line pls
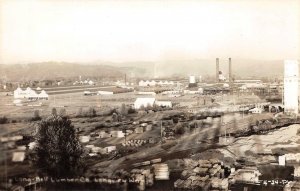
(105, 93)
(145, 83)
(144, 102)
(29, 94)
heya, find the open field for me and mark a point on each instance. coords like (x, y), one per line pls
(73, 101)
(70, 101)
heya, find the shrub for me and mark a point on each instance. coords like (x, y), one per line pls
(298, 132)
(142, 108)
(131, 110)
(36, 116)
(180, 130)
(79, 112)
(3, 120)
(54, 111)
(124, 110)
(62, 112)
(91, 112)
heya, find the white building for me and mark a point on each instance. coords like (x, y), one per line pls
(163, 103)
(199, 91)
(144, 102)
(147, 83)
(109, 149)
(19, 93)
(91, 82)
(256, 110)
(291, 92)
(18, 156)
(165, 83)
(117, 134)
(192, 79)
(252, 86)
(43, 95)
(29, 94)
(155, 83)
(87, 93)
(173, 92)
(105, 93)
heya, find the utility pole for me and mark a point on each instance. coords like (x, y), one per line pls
(125, 133)
(161, 132)
(282, 98)
(225, 133)
(243, 108)
(5, 165)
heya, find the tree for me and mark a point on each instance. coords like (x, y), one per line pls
(3, 120)
(92, 112)
(131, 110)
(79, 112)
(62, 112)
(58, 152)
(123, 110)
(36, 115)
(54, 111)
(180, 130)
(142, 108)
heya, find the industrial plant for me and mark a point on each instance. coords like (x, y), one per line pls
(188, 133)
(149, 95)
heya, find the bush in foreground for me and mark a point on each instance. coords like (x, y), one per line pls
(3, 120)
(58, 152)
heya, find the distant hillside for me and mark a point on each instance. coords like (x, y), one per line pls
(240, 68)
(205, 67)
(134, 69)
(53, 70)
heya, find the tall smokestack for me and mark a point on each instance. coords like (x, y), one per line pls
(217, 69)
(230, 76)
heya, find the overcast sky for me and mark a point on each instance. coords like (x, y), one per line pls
(85, 31)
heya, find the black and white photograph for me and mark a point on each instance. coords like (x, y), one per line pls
(149, 95)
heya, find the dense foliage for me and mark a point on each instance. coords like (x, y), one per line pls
(3, 120)
(58, 151)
